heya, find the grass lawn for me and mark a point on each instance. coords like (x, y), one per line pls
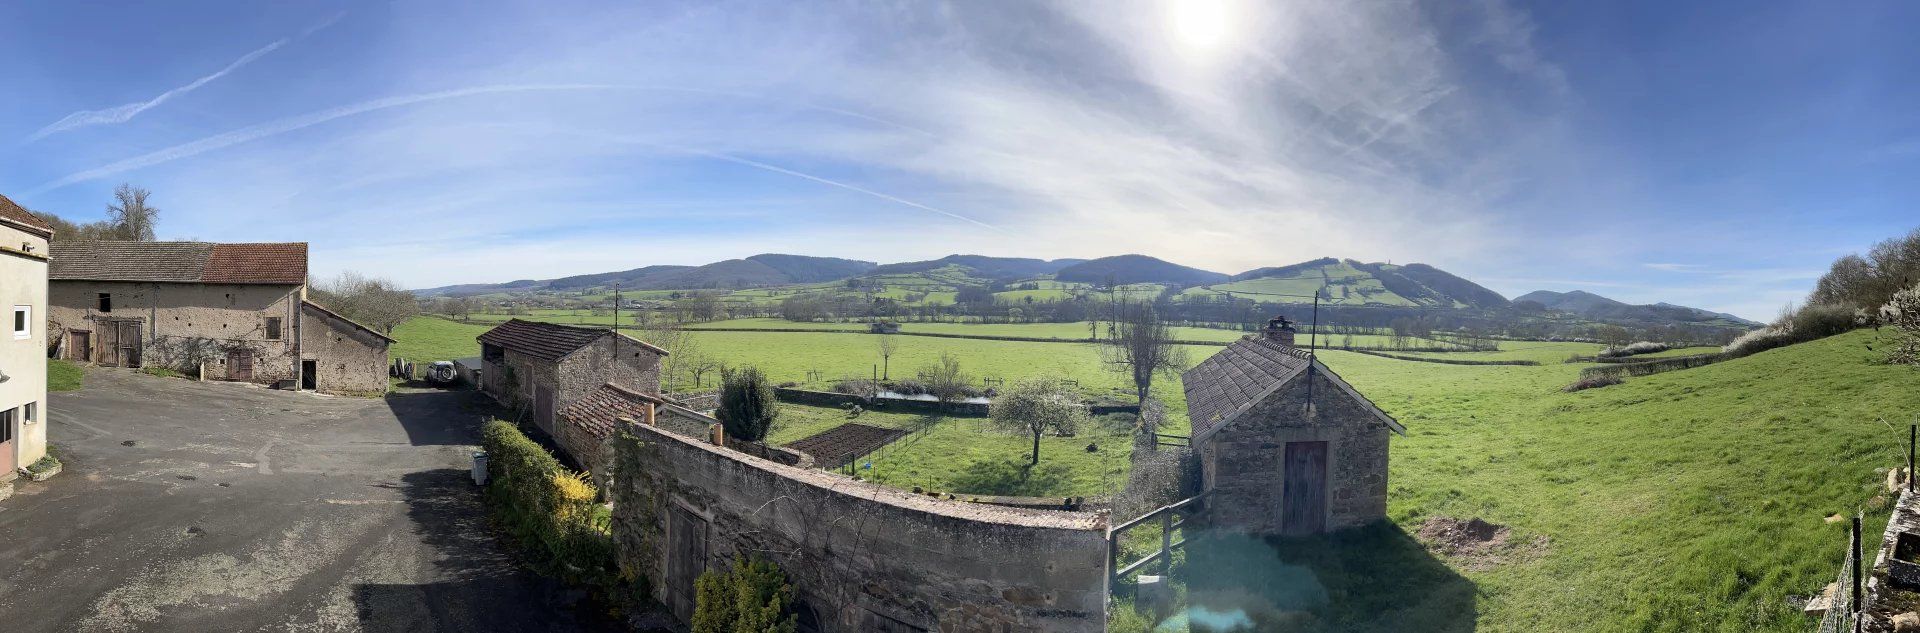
(972, 455)
(63, 375)
(426, 339)
(1685, 501)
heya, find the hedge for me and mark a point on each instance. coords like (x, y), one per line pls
(548, 510)
(1443, 361)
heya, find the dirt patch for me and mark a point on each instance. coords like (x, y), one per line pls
(1478, 545)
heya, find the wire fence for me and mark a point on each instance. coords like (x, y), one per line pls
(1843, 603)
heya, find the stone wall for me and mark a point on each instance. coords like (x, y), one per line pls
(182, 323)
(346, 358)
(1245, 462)
(861, 557)
(583, 371)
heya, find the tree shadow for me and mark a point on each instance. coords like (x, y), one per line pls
(1011, 477)
(474, 583)
(1373, 578)
(441, 417)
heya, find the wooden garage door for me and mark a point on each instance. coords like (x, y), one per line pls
(686, 559)
(1305, 507)
(239, 365)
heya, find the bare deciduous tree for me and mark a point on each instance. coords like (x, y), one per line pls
(1143, 344)
(887, 345)
(945, 380)
(133, 219)
(377, 303)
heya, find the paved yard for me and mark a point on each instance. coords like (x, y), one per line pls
(219, 507)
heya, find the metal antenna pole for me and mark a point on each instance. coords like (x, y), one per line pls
(616, 321)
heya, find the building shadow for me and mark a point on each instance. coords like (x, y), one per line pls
(441, 417)
(475, 583)
(1371, 579)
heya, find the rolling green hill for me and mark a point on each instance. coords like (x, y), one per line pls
(1353, 283)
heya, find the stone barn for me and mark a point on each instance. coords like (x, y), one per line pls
(1285, 446)
(225, 311)
(544, 367)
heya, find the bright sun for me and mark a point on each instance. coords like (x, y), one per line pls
(1200, 27)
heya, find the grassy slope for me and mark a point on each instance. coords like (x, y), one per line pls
(63, 375)
(1690, 500)
(427, 339)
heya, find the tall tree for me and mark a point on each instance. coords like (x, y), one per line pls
(375, 302)
(132, 218)
(1142, 343)
(1039, 406)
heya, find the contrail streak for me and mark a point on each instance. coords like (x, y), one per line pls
(290, 124)
(124, 113)
(782, 170)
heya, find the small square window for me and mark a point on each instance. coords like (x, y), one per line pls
(273, 328)
(22, 322)
(106, 302)
(32, 412)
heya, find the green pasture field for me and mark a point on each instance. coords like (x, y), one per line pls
(1691, 500)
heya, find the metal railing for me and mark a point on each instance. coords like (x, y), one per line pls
(1171, 517)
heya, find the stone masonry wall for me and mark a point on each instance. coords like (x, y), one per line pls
(1245, 462)
(583, 371)
(347, 359)
(174, 316)
(861, 557)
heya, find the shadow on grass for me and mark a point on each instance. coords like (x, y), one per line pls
(1010, 477)
(1375, 578)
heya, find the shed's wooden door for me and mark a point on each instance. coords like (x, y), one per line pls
(79, 346)
(127, 343)
(1304, 510)
(239, 365)
(543, 407)
(686, 559)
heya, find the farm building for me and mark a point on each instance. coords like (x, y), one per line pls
(23, 349)
(545, 367)
(586, 423)
(226, 311)
(1285, 445)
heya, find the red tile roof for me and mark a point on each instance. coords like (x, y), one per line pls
(598, 413)
(550, 341)
(257, 263)
(179, 262)
(16, 215)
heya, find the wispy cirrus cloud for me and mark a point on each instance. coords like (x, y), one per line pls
(126, 112)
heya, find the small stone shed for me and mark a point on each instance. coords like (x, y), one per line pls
(585, 424)
(1285, 446)
(544, 367)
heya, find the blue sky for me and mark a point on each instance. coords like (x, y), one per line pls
(1709, 154)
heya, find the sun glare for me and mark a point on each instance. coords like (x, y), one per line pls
(1200, 28)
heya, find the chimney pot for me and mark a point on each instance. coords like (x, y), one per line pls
(1280, 330)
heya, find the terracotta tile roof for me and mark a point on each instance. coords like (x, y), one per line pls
(598, 413)
(1238, 377)
(179, 262)
(551, 341)
(257, 263)
(16, 215)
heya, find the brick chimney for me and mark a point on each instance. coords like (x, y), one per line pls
(1279, 330)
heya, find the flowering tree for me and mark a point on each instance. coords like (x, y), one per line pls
(1903, 312)
(1037, 406)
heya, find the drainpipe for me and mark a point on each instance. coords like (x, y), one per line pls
(299, 300)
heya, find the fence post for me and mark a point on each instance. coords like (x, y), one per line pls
(1853, 552)
(1166, 543)
(1912, 429)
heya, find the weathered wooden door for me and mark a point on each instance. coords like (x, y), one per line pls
(239, 365)
(109, 352)
(543, 407)
(127, 344)
(1304, 510)
(9, 423)
(686, 559)
(79, 346)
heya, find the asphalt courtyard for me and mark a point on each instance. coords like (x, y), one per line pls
(190, 506)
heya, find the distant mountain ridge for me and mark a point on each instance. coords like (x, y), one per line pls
(982, 265)
(1136, 269)
(1595, 306)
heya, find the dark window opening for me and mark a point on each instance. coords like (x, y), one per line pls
(493, 353)
(106, 302)
(273, 328)
(6, 425)
(19, 320)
